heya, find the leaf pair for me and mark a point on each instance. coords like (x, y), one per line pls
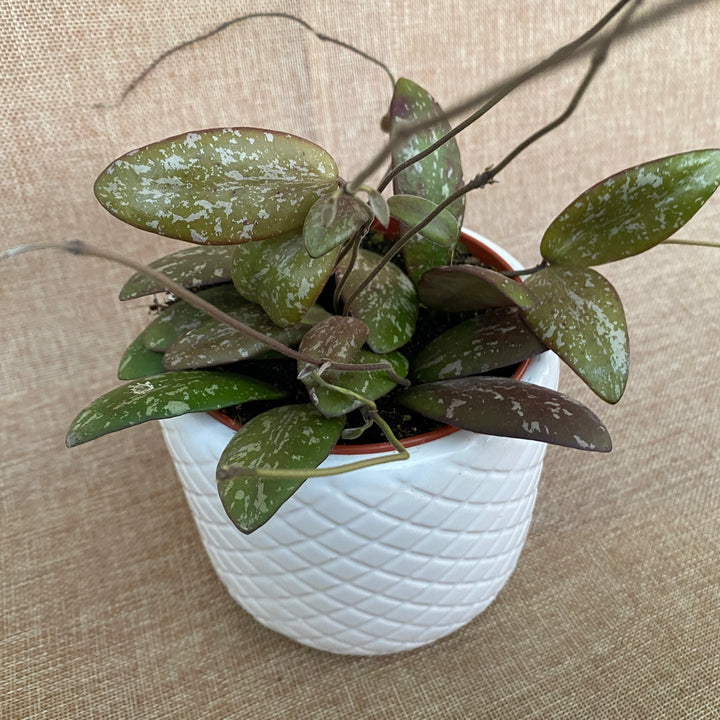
(579, 315)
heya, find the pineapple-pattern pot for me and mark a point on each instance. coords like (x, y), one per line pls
(389, 558)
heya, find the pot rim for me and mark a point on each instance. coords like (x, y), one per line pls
(479, 247)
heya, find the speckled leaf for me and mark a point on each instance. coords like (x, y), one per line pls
(164, 396)
(459, 288)
(493, 339)
(218, 187)
(632, 211)
(215, 343)
(138, 361)
(389, 305)
(434, 178)
(181, 317)
(280, 275)
(332, 221)
(336, 338)
(410, 209)
(581, 318)
(194, 267)
(289, 437)
(371, 385)
(509, 408)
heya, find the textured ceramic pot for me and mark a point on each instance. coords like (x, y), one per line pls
(386, 559)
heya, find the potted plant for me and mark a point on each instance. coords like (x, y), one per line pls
(324, 318)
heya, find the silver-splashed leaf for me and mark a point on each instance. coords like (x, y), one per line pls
(494, 339)
(164, 396)
(218, 187)
(435, 177)
(289, 437)
(370, 384)
(215, 343)
(581, 318)
(194, 267)
(509, 408)
(181, 316)
(389, 305)
(280, 275)
(632, 211)
(332, 221)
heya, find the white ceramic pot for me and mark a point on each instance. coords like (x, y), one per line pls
(386, 559)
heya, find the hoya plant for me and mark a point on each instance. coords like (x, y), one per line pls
(316, 311)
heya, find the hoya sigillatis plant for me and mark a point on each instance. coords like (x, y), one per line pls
(315, 308)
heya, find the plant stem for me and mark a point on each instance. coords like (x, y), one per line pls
(557, 60)
(504, 92)
(135, 82)
(696, 243)
(78, 247)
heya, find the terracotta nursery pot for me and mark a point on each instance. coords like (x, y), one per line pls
(386, 559)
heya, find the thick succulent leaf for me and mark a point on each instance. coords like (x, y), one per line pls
(332, 221)
(336, 338)
(389, 305)
(181, 317)
(435, 177)
(194, 267)
(288, 437)
(491, 340)
(581, 318)
(139, 361)
(164, 396)
(442, 230)
(459, 288)
(218, 187)
(509, 408)
(632, 211)
(371, 385)
(215, 343)
(281, 276)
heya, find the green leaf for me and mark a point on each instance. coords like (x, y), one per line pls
(581, 318)
(281, 276)
(332, 221)
(371, 385)
(491, 340)
(293, 436)
(181, 317)
(337, 338)
(378, 205)
(389, 305)
(632, 211)
(460, 288)
(138, 361)
(194, 267)
(164, 396)
(435, 177)
(215, 343)
(218, 187)
(442, 229)
(509, 408)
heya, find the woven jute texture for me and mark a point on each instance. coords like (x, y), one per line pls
(109, 607)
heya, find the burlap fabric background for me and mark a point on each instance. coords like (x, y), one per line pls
(109, 607)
